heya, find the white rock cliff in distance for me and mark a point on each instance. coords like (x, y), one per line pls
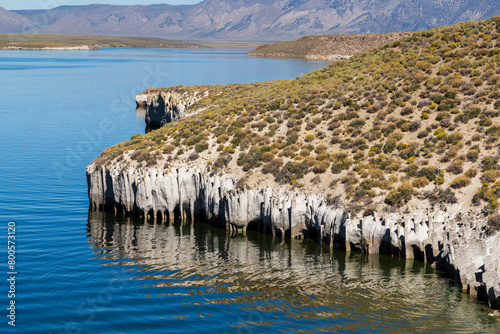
(452, 240)
(166, 106)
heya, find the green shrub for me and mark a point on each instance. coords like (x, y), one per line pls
(460, 182)
(472, 111)
(222, 139)
(341, 162)
(431, 173)
(272, 167)
(490, 163)
(357, 123)
(390, 146)
(193, 156)
(398, 197)
(368, 184)
(420, 182)
(490, 176)
(455, 167)
(200, 147)
(222, 160)
(252, 158)
(267, 156)
(472, 155)
(140, 155)
(292, 171)
(494, 223)
(493, 131)
(439, 180)
(320, 167)
(442, 196)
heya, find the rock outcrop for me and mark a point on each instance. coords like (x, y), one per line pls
(167, 106)
(450, 240)
(142, 100)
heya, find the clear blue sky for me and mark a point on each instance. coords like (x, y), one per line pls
(45, 4)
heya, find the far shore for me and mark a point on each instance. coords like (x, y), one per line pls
(96, 42)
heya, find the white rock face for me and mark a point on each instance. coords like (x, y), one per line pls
(167, 106)
(141, 100)
(449, 240)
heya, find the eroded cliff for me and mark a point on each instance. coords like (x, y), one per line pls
(163, 107)
(452, 241)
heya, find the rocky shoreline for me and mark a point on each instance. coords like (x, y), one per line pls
(451, 241)
(450, 238)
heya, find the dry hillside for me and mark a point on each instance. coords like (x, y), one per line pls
(327, 47)
(415, 123)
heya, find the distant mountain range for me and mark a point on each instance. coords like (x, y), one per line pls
(248, 20)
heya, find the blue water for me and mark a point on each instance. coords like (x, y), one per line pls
(81, 273)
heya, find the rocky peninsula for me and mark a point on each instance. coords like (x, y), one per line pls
(327, 47)
(391, 151)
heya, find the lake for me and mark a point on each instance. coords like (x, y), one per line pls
(81, 272)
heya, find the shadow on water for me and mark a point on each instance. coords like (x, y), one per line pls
(285, 284)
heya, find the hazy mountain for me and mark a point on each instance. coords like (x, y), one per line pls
(11, 22)
(249, 19)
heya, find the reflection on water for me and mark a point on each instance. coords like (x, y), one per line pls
(140, 112)
(274, 284)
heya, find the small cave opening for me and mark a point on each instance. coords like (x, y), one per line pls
(254, 225)
(312, 233)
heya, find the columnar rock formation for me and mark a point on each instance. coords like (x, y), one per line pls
(166, 106)
(452, 241)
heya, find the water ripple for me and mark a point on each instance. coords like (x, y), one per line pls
(282, 285)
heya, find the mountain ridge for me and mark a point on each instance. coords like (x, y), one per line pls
(244, 20)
